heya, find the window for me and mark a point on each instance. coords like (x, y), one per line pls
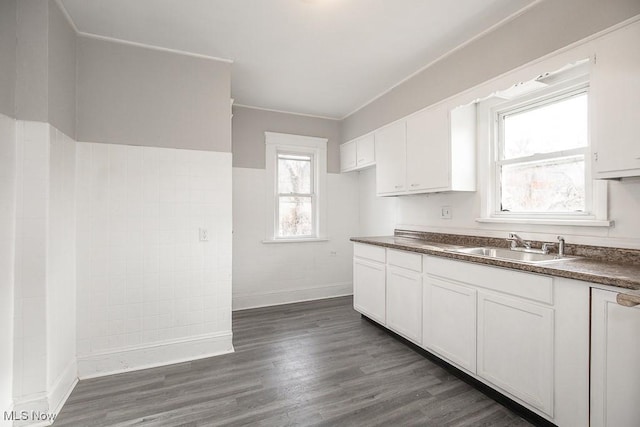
(296, 202)
(542, 152)
(295, 195)
(541, 166)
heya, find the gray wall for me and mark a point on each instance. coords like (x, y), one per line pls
(32, 81)
(250, 124)
(546, 27)
(138, 96)
(62, 72)
(42, 69)
(8, 15)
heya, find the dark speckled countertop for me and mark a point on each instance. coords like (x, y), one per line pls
(607, 266)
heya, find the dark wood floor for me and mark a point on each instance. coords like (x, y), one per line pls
(314, 363)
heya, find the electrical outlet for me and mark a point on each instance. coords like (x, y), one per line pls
(445, 212)
(333, 253)
(204, 234)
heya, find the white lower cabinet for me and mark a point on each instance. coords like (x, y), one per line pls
(526, 335)
(404, 302)
(449, 322)
(615, 362)
(369, 293)
(515, 348)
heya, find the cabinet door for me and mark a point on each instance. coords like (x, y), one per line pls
(515, 348)
(391, 144)
(369, 289)
(366, 151)
(428, 157)
(348, 156)
(449, 321)
(404, 302)
(615, 353)
(615, 96)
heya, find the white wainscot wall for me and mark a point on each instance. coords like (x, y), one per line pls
(149, 291)
(278, 273)
(44, 371)
(7, 255)
(61, 270)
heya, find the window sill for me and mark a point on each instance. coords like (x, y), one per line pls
(305, 240)
(543, 221)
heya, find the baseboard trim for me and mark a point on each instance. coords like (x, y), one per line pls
(153, 356)
(62, 387)
(46, 405)
(7, 407)
(24, 409)
(288, 296)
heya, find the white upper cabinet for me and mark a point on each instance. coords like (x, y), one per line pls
(366, 151)
(391, 154)
(348, 156)
(428, 149)
(357, 154)
(431, 151)
(615, 93)
(441, 153)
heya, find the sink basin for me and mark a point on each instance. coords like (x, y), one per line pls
(510, 255)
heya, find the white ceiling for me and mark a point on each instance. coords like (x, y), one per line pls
(319, 57)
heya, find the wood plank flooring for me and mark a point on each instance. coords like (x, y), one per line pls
(311, 364)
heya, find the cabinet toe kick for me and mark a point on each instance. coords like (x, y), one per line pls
(629, 298)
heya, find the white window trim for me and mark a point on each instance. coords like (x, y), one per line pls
(282, 142)
(488, 127)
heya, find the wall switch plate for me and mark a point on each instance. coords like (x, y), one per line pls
(445, 212)
(204, 234)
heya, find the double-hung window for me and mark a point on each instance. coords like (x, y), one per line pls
(542, 154)
(541, 169)
(296, 187)
(295, 195)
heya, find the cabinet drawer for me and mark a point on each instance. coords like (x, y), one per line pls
(374, 253)
(526, 285)
(403, 259)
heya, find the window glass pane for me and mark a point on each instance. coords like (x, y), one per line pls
(294, 174)
(295, 217)
(561, 125)
(556, 185)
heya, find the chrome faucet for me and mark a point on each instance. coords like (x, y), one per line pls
(560, 244)
(516, 240)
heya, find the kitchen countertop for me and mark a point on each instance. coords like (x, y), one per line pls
(600, 268)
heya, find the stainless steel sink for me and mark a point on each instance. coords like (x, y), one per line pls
(510, 255)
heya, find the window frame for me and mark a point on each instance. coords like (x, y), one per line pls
(595, 190)
(281, 143)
